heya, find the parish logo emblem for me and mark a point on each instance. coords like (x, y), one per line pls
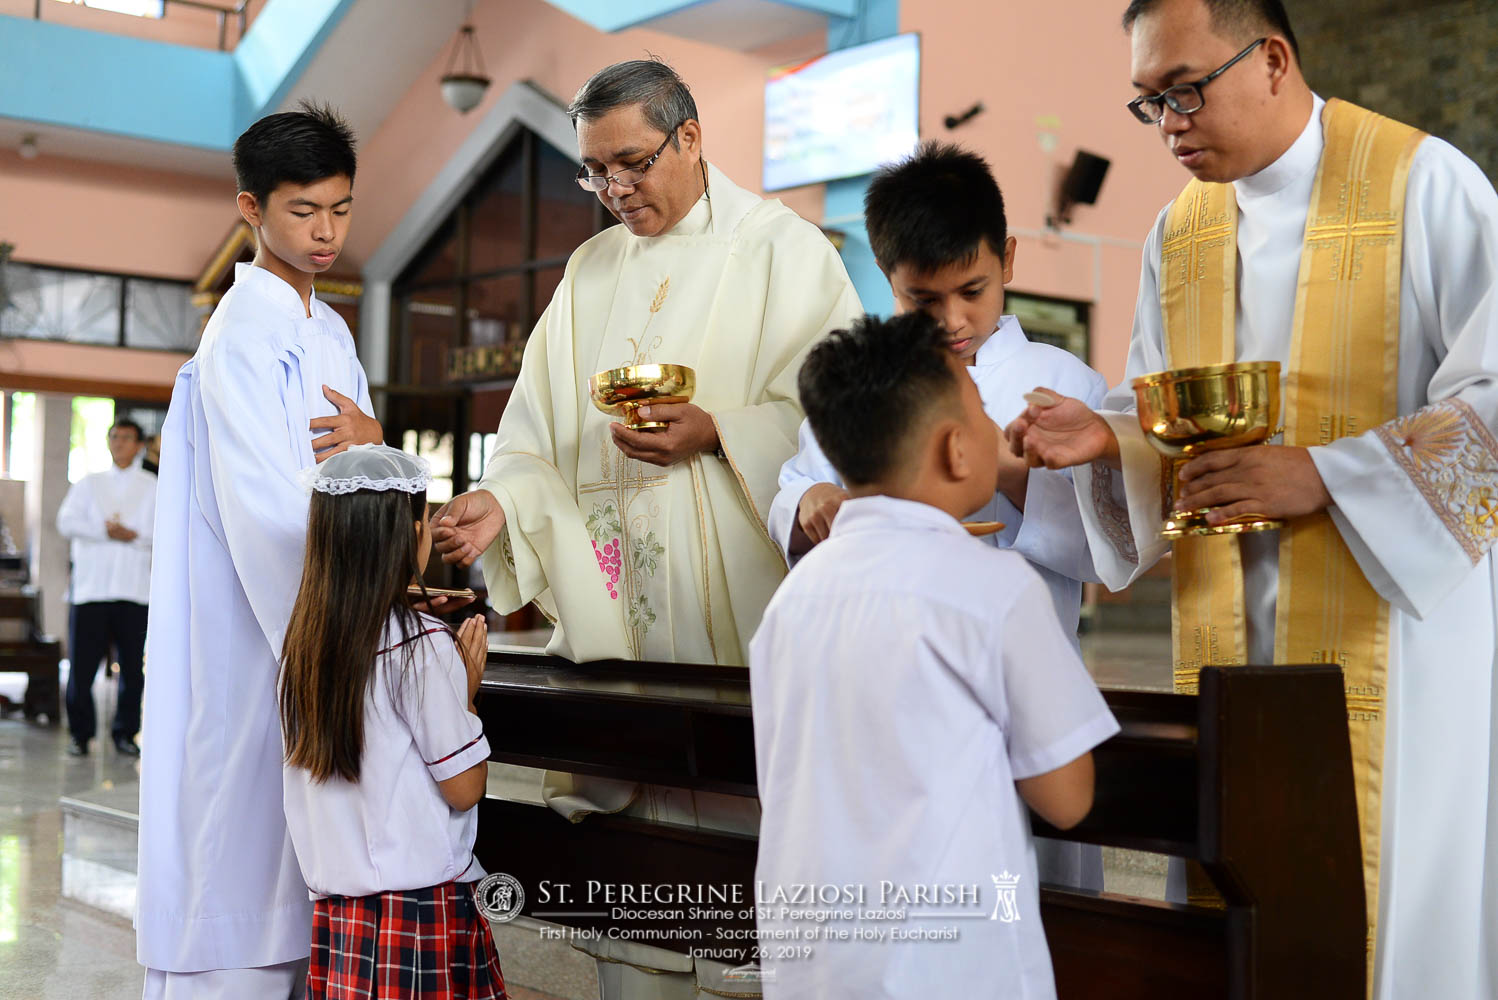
(499, 897)
(1005, 907)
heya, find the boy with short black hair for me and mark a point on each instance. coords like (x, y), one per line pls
(913, 690)
(274, 387)
(937, 226)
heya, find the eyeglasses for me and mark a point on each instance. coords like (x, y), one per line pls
(1183, 98)
(624, 178)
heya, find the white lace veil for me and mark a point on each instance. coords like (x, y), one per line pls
(367, 467)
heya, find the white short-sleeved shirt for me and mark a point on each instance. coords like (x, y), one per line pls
(904, 677)
(392, 829)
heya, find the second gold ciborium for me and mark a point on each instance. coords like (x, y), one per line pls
(1189, 411)
(621, 392)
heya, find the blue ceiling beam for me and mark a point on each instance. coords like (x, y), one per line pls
(53, 74)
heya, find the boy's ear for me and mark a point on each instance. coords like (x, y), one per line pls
(249, 209)
(1009, 245)
(956, 462)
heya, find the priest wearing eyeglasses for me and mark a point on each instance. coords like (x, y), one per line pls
(1362, 256)
(651, 544)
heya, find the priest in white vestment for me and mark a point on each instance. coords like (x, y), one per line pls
(640, 544)
(1414, 499)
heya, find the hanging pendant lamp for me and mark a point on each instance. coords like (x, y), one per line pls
(465, 82)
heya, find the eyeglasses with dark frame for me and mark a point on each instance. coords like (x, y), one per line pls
(629, 177)
(1183, 98)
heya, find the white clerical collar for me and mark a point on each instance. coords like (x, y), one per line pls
(882, 512)
(1007, 339)
(696, 221)
(275, 288)
(1297, 161)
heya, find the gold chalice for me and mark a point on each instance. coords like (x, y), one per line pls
(620, 392)
(1189, 411)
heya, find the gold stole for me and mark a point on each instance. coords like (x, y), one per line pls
(1343, 374)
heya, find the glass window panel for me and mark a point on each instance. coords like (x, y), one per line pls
(564, 211)
(496, 310)
(496, 232)
(547, 280)
(60, 305)
(438, 260)
(430, 321)
(88, 444)
(160, 314)
(437, 448)
(22, 428)
(150, 418)
(480, 449)
(140, 8)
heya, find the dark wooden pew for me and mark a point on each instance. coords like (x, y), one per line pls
(32, 653)
(1252, 779)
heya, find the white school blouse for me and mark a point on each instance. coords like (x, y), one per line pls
(903, 678)
(392, 829)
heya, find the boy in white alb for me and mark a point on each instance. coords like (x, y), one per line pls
(275, 387)
(913, 691)
(937, 226)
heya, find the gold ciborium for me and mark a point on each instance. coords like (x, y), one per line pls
(620, 392)
(1189, 411)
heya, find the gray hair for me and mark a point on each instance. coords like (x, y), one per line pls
(662, 95)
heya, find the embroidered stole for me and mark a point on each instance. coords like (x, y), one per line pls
(1342, 380)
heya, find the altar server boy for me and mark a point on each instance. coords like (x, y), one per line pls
(221, 908)
(913, 692)
(937, 227)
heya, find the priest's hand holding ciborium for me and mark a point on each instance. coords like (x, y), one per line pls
(620, 392)
(1209, 423)
(1187, 412)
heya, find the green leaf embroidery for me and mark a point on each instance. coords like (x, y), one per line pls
(603, 523)
(645, 554)
(640, 614)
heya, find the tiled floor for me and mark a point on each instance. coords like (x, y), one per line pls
(67, 861)
(50, 946)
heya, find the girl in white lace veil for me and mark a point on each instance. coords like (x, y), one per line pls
(368, 539)
(385, 758)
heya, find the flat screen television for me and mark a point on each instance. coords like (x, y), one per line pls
(843, 114)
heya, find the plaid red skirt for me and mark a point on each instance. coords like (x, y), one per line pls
(422, 944)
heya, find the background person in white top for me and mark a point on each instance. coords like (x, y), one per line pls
(386, 758)
(937, 226)
(913, 692)
(109, 517)
(1410, 499)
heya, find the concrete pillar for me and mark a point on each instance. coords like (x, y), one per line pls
(44, 493)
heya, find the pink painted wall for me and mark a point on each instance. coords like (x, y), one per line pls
(107, 217)
(1062, 69)
(531, 40)
(34, 364)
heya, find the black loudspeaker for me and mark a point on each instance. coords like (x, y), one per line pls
(1084, 179)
